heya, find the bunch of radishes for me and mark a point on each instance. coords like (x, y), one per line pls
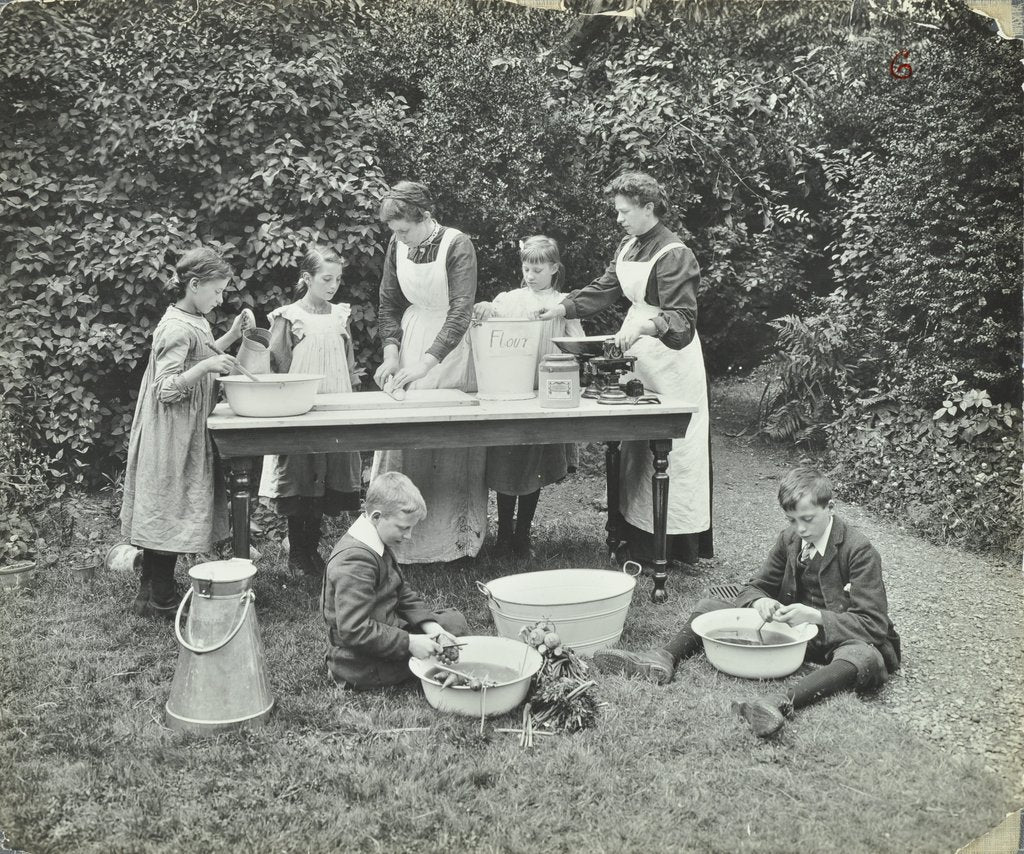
(559, 660)
(543, 636)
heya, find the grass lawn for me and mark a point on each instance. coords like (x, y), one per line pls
(87, 765)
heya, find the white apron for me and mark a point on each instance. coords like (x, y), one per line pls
(321, 349)
(451, 480)
(677, 374)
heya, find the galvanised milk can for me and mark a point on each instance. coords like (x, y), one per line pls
(221, 680)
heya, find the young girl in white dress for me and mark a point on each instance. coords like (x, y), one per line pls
(312, 336)
(517, 472)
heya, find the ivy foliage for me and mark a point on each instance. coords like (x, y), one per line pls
(923, 199)
(866, 224)
(139, 131)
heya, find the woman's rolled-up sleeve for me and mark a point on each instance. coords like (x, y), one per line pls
(461, 268)
(678, 276)
(392, 301)
(599, 294)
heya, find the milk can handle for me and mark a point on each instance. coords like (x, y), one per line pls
(639, 568)
(246, 597)
(483, 588)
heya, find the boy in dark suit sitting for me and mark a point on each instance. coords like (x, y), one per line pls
(819, 571)
(375, 621)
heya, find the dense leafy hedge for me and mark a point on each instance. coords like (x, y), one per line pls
(810, 184)
(954, 473)
(923, 177)
(139, 131)
(931, 219)
(142, 128)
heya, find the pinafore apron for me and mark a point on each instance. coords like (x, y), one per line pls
(677, 374)
(321, 349)
(451, 480)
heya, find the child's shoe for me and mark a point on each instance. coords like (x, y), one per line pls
(521, 547)
(655, 665)
(163, 608)
(502, 547)
(165, 594)
(141, 600)
(763, 716)
(300, 557)
(300, 561)
(313, 535)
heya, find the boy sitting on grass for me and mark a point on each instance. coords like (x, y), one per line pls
(375, 621)
(820, 571)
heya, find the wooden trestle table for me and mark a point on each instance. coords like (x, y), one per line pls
(505, 422)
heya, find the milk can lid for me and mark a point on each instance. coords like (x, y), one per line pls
(223, 571)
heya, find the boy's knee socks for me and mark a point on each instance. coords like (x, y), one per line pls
(824, 682)
(686, 642)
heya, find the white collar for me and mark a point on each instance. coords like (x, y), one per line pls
(822, 541)
(362, 529)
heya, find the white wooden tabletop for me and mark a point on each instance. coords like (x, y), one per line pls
(223, 418)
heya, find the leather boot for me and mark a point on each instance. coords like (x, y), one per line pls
(764, 717)
(164, 595)
(655, 665)
(141, 601)
(300, 561)
(313, 535)
(521, 546)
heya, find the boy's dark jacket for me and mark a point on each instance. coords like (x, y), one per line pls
(367, 606)
(851, 582)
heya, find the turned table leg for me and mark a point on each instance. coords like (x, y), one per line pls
(239, 478)
(659, 494)
(612, 467)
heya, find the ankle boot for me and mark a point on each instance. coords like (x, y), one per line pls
(764, 717)
(313, 535)
(141, 601)
(164, 594)
(521, 546)
(300, 561)
(655, 665)
(503, 541)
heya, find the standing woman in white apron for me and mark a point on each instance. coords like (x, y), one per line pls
(659, 276)
(427, 293)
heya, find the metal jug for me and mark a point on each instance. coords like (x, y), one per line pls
(221, 680)
(254, 351)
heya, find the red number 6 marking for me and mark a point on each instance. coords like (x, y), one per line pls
(903, 70)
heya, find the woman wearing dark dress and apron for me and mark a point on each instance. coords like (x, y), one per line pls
(659, 276)
(427, 292)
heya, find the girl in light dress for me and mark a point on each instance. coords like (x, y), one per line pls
(517, 472)
(174, 498)
(312, 336)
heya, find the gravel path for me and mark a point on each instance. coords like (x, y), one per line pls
(959, 614)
